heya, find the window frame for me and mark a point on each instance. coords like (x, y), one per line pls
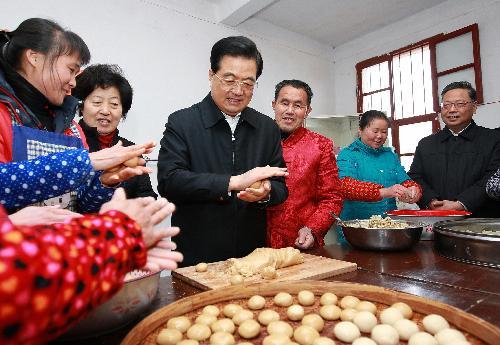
(432, 42)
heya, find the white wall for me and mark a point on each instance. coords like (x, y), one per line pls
(446, 17)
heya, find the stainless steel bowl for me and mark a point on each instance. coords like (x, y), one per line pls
(382, 238)
(131, 301)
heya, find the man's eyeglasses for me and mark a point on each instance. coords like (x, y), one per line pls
(231, 84)
(458, 105)
(296, 107)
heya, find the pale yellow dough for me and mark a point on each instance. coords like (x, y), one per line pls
(314, 320)
(241, 316)
(267, 316)
(256, 302)
(260, 258)
(223, 325)
(305, 335)
(180, 323)
(211, 310)
(168, 336)
(222, 338)
(230, 309)
(328, 298)
(201, 267)
(283, 299)
(199, 332)
(330, 312)
(306, 297)
(295, 312)
(280, 327)
(276, 339)
(249, 329)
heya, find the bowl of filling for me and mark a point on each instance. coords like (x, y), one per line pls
(133, 299)
(379, 233)
(427, 218)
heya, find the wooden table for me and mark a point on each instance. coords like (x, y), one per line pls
(421, 272)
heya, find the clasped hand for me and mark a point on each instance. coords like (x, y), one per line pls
(409, 195)
(243, 182)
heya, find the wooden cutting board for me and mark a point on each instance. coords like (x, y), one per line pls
(313, 267)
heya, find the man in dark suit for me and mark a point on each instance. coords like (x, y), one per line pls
(453, 165)
(213, 156)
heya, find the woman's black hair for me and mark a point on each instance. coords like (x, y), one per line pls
(368, 116)
(104, 76)
(43, 36)
(235, 46)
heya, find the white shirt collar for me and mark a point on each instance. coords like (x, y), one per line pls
(457, 134)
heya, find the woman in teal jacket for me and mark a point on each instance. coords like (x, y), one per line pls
(371, 175)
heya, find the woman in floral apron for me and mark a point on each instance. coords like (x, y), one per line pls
(38, 64)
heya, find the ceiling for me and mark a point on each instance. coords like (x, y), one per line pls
(332, 22)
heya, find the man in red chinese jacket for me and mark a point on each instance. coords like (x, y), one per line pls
(304, 218)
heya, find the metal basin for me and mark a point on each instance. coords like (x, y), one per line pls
(128, 304)
(382, 238)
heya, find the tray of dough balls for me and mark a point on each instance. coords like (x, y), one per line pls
(310, 313)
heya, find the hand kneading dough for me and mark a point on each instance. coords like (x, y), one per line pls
(199, 332)
(276, 339)
(422, 338)
(314, 320)
(222, 338)
(168, 336)
(330, 312)
(328, 298)
(267, 316)
(390, 315)
(448, 335)
(180, 323)
(364, 341)
(295, 312)
(242, 316)
(346, 331)
(283, 299)
(256, 302)
(223, 325)
(305, 335)
(260, 258)
(434, 323)
(404, 308)
(305, 297)
(385, 335)
(211, 310)
(230, 309)
(249, 329)
(349, 302)
(366, 306)
(323, 341)
(280, 327)
(365, 321)
(406, 328)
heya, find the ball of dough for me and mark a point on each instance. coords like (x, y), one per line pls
(201, 267)
(349, 302)
(205, 319)
(242, 316)
(305, 335)
(230, 309)
(314, 320)
(295, 312)
(282, 327)
(223, 325)
(283, 299)
(448, 335)
(365, 321)
(188, 342)
(434, 323)
(366, 306)
(305, 297)
(328, 298)
(348, 314)
(267, 316)
(211, 310)
(346, 331)
(245, 343)
(364, 341)
(249, 329)
(256, 302)
(180, 323)
(222, 338)
(385, 335)
(268, 272)
(236, 279)
(422, 338)
(390, 315)
(330, 312)
(199, 332)
(405, 328)
(404, 308)
(455, 342)
(323, 341)
(168, 336)
(276, 339)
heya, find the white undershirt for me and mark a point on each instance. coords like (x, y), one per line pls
(232, 122)
(457, 134)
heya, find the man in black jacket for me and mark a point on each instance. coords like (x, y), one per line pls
(453, 165)
(212, 152)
